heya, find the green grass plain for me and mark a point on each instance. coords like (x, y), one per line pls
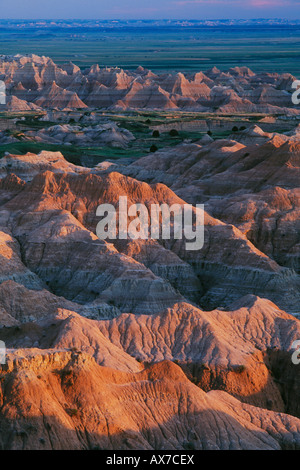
(140, 124)
(262, 49)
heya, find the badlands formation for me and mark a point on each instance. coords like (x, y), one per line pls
(34, 82)
(142, 344)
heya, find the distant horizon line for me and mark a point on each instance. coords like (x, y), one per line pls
(153, 19)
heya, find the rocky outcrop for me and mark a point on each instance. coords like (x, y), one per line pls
(252, 186)
(221, 349)
(25, 305)
(56, 213)
(105, 134)
(56, 208)
(25, 167)
(40, 81)
(57, 97)
(11, 266)
(64, 400)
(15, 104)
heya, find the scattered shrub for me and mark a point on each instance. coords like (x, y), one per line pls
(188, 445)
(238, 369)
(153, 148)
(270, 404)
(71, 411)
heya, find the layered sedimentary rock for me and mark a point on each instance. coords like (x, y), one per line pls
(254, 187)
(228, 350)
(76, 404)
(55, 215)
(39, 81)
(101, 134)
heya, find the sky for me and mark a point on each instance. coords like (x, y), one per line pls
(149, 9)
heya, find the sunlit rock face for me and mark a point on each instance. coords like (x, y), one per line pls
(89, 316)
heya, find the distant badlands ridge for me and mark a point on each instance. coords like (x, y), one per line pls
(35, 83)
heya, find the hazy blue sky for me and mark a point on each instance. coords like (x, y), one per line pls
(151, 9)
